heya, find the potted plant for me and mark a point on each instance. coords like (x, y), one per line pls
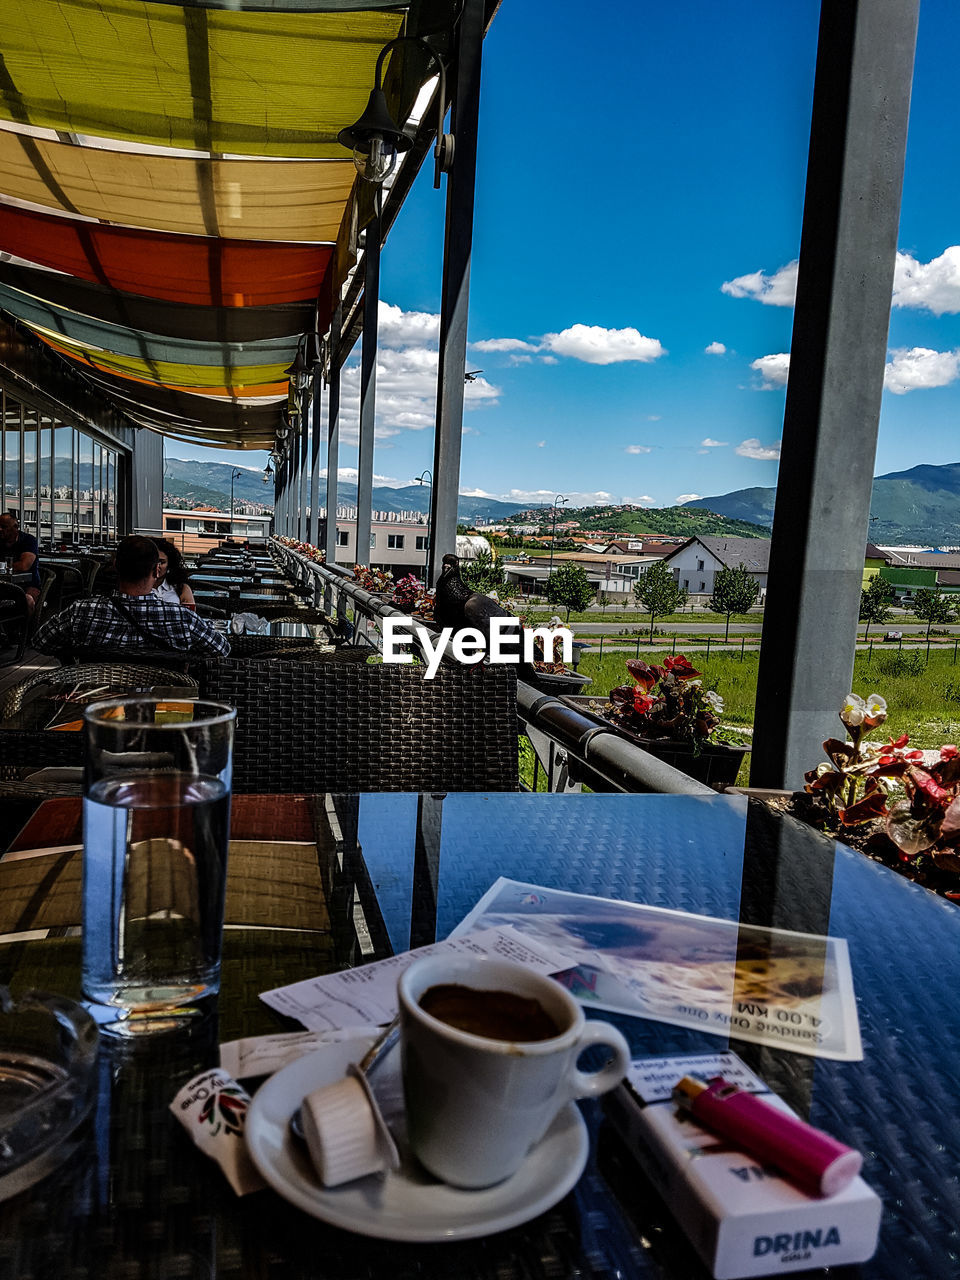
(549, 673)
(378, 582)
(410, 595)
(669, 713)
(896, 803)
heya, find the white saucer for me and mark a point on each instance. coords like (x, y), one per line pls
(408, 1204)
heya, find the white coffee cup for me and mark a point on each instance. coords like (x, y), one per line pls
(475, 1106)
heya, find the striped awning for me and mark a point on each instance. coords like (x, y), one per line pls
(175, 209)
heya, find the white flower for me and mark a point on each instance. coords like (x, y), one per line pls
(853, 711)
(714, 701)
(876, 709)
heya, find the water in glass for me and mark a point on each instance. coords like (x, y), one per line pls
(154, 880)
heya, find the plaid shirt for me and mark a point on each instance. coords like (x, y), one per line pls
(99, 624)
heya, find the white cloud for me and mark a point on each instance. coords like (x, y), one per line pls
(687, 497)
(933, 285)
(917, 368)
(777, 290)
(350, 473)
(715, 349)
(753, 448)
(595, 345)
(645, 497)
(399, 328)
(541, 444)
(407, 362)
(590, 343)
(638, 448)
(654, 417)
(773, 370)
(503, 344)
(713, 444)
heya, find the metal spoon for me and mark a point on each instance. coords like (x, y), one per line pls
(387, 1038)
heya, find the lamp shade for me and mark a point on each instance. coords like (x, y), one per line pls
(375, 139)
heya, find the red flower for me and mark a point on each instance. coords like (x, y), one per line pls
(680, 667)
(948, 752)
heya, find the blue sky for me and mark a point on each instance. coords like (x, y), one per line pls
(639, 200)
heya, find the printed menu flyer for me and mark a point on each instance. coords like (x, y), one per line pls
(768, 986)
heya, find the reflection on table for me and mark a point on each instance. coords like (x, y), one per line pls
(356, 877)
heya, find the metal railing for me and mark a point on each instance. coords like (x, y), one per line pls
(570, 750)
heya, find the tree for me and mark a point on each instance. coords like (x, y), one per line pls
(930, 605)
(603, 600)
(569, 586)
(734, 591)
(658, 593)
(875, 602)
(483, 574)
(462, 529)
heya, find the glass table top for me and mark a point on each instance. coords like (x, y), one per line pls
(398, 871)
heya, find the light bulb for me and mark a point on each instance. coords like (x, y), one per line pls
(377, 161)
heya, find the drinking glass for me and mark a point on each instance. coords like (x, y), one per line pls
(156, 830)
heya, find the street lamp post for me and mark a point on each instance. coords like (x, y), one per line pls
(234, 475)
(557, 502)
(421, 479)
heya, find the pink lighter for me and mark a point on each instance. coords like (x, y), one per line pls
(810, 1158)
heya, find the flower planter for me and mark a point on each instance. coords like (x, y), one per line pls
(714, 763)
(559, 684)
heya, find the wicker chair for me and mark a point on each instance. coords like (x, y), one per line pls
(33, 748)
(14, 616)
(120, 677)
(336, 726)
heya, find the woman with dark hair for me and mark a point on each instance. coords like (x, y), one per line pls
(172, 585)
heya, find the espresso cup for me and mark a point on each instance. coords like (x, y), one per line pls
(476, 1104)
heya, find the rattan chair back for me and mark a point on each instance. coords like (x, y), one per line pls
(14, 615)
(337, 726)
(120, 678)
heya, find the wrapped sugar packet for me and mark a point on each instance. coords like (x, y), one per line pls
(212, 1108)
(262, 1055)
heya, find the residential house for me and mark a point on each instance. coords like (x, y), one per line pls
(614, 575)
(697, 562)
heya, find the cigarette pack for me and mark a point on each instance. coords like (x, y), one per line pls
(742, 1218)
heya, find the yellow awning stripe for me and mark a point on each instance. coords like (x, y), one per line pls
(276, 84)
(165, 373)
(234, 199)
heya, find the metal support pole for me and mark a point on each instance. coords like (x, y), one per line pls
(313, 534)
(368, 385)
(306, 427)
(333, 439)
(847, 250)
(455, 296)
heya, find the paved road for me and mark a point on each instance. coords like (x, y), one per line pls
(718, 628)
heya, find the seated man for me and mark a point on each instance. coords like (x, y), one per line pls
(21, 549)
(132, 617)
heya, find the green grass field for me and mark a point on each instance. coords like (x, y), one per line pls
(923, 699)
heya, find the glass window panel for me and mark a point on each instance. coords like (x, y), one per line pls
(97, 492)
(63, 481)
(111, 494)
(29, 519)
(12, 410)
(85, 487)
(44, 480)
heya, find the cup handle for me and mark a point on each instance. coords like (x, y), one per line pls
(584, 1084)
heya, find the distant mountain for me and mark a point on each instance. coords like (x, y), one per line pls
(669, 521)
(753, 505)
(918, 507)
(208, 483)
